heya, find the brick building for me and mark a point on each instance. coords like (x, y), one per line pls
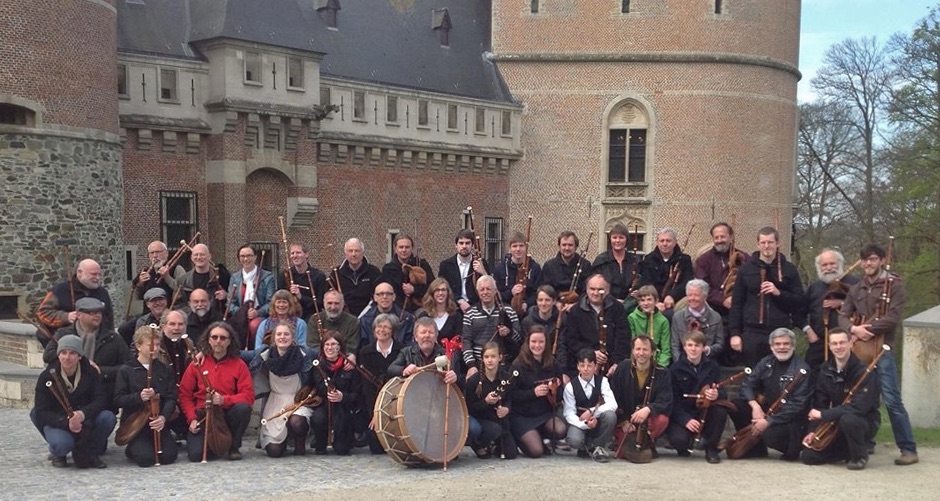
(355, 118)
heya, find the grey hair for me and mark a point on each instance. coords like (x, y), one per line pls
(839, 258)
(391, 319)
(670, 231)
(362, 246)
(486, 278)
(781, 332)
(698, 283)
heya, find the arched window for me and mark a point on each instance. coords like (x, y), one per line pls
(628, 130)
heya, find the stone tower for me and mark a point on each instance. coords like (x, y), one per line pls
(652, 113)
(60, 149)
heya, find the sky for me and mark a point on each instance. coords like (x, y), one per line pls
(827, 22)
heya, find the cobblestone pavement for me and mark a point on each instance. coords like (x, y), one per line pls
(27, 475)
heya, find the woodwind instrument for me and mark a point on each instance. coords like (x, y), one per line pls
(634, 268)
(704, 404)
(154, 404)
(827, 431)
(557, 332)
(601, 336)
(366, 373)
(673, 278)
(130, 295)
(745, 439)
(570, 296)
(328, 383)
(688, 235)
(60, 393)
(522, 274)
(501, 390)
(321, 332)
(640, 450)
(414, 275)
(333, 276)
(306, 397)
(727, 286)
(287, 265)
(216, 434)
(477, 251)
(41, 329)
(67, 257)
(184, 246)
(835, 290)
(866, 351)
(760, 296)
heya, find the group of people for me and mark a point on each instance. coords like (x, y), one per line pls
(603, 357)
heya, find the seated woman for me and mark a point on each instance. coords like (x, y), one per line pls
(535, 396)
(376, 358)
(281, 374)
(488, 403)
(333, 420)
(138, 383)
(284, 307)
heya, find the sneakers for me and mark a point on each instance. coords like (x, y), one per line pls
(858, 464)
(907, 458)
(711, 455)
(60, 462)
(600, 454)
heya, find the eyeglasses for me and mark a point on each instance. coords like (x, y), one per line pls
(216, 337)
(245, 256)
(442, 289)
(383, 294)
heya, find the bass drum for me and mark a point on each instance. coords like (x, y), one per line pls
(410, 415)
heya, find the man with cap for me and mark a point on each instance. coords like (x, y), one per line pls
(104, 348)
(156, 302)
(82, 429)
(58, 308)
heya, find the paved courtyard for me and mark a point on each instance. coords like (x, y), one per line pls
(27, 475)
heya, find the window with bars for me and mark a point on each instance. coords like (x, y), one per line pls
(267, 254)
(178, 220)
(493, 238)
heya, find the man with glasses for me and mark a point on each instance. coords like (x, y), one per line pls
(157, 274)
(105, 349)
(384, 302)
(862, 302)
(232, 391)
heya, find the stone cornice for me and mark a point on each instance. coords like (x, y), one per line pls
(648, 57)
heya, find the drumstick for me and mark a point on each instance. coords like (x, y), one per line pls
(446, 416)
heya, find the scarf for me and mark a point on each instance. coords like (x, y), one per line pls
(291, 362)
(248, 278)
(71, 385)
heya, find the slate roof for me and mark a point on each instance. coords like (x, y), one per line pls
(382, 41)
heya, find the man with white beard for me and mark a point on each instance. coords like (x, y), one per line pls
(823, 302)
(333, 318)
(201, 314)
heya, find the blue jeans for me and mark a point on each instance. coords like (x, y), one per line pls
(474, 429)
(891, 394)
(61, 442)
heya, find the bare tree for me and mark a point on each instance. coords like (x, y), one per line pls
(856, 75)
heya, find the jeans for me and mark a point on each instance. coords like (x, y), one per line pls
(61, 442)
(891, 394)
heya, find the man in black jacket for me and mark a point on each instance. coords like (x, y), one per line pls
(767, 295)
(409, 287)
(582, 329)
(560, 271)
(303, 276)
(632, 383)
(783, 429)
(824, 298)
(461, 271)
(853, 419)
(667, 269)
(355, 277)
(507, 271)
(84, 432)
(108, 352)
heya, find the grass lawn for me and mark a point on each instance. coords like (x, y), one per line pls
(925, 437)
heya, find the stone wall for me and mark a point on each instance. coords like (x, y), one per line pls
(57, 190)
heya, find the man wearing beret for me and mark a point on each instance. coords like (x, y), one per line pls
(71, 407)
(105, 350)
